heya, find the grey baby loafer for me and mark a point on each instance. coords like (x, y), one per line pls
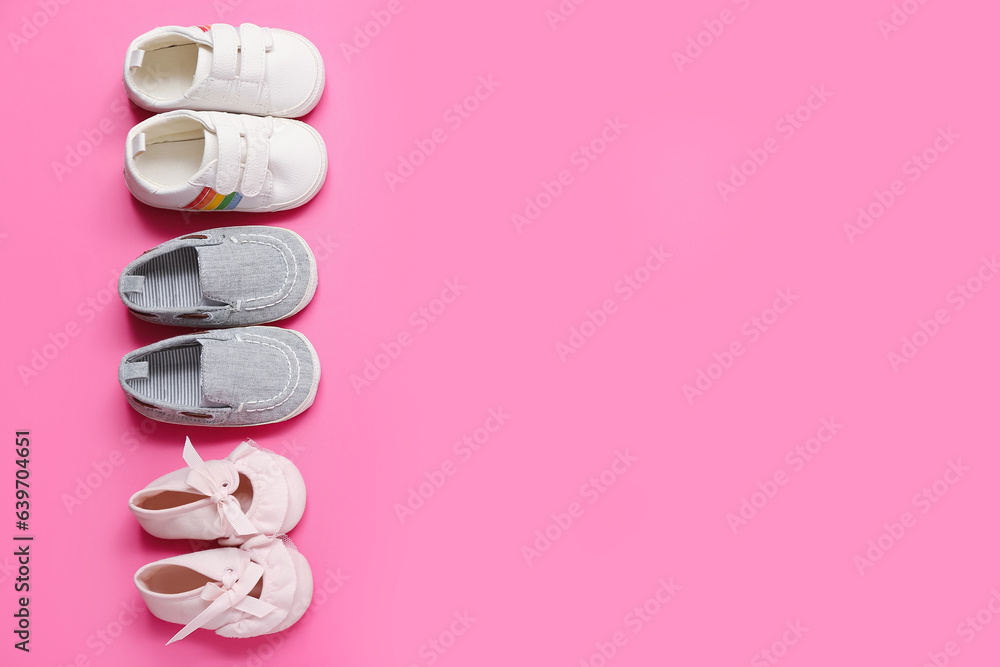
(226, 277)
(231, 377)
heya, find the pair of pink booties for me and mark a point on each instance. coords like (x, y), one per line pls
(257, 583)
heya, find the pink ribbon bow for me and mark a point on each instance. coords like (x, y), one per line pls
(219, 490)
(232, 594)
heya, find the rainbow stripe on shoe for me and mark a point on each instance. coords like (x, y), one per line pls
(210, 200)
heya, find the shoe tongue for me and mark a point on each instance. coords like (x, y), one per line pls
(220, 376)
(239, 374)
(231, 272)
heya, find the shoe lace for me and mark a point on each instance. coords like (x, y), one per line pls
(232, 593)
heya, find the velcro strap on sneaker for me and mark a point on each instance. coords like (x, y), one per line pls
(133, 284)
(258, 137)
(230, 144)
(253, 48)
(225, 47)
(135, 370)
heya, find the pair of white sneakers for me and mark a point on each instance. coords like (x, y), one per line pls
(257, 583)
(225, 142)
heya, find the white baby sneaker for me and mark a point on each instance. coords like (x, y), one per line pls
(262, 587)
(252, 491)
(262, 71)
(214, 161)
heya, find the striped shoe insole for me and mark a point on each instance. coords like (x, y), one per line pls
(172, 281)
(174, 376)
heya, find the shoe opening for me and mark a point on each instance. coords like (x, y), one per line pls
(177, 579)
(172, 281)
(169, 67)
(174, 378)
(174, 152)
(166, 500)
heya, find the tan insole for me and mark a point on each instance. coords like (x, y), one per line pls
(175, 579)
(169, 499)
(166, 500)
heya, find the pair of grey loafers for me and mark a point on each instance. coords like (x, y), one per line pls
(228, 281)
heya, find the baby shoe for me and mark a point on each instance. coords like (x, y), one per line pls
(252, 491)
(228, 377)
(262, 587)
(262, 71)
(214, 161)
(232, 276)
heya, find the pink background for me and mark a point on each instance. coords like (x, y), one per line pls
(392, 587)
